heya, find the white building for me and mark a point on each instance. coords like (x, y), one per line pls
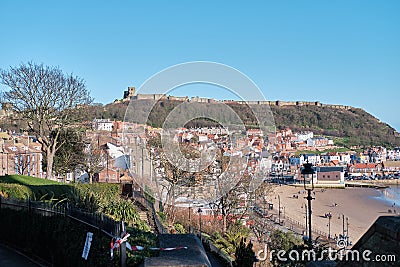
(393, 154)
(304, 136)
(345, 158)
(202, 137)
(103, 125)
(312, 158)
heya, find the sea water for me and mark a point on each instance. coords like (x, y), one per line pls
(390, 195)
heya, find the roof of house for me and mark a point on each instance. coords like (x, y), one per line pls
(4, 135)
(329, 169)
(364, 166)
(391, 163)
(334, 162)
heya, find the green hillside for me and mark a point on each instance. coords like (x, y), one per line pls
(348, 127)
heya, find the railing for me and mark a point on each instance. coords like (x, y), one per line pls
(294, 225)
(227, 259)
(303, 226)
(99, 221)
(138, 196)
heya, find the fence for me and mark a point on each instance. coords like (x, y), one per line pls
(294, 223)
(99, 221)
(298, 227)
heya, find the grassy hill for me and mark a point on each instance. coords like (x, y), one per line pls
(347, 127)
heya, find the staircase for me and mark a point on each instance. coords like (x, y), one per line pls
(143, 217)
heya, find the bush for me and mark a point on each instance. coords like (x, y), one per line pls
(244, 254)
(162, 216)
(15, 191)
(57, 240)
(179, 228)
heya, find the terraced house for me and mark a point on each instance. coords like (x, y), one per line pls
(20, 154)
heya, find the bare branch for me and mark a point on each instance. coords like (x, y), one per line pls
(45, 97)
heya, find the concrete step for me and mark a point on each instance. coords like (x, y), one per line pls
(143, 216)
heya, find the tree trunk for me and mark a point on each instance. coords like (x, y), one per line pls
(90, 178)
(50, 161)
(224, 219)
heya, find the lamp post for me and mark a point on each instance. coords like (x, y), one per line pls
(284, 213)
(279, 209)
(189, 217)
(347, 230)
(308, 171)
(329, 216)
(343, 229)
(305, 207)
(200, 211)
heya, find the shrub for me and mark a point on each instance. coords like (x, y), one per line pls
(179, 228)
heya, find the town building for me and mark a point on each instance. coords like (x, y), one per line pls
(325, 176)
(367, 169)
(329, 175)
(103, 125)
(20, 154)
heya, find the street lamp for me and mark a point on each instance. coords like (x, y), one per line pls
(329, 216)
(306, 213)
(308, 172)
(200, 211)
(347, 230)
(189, 216)
(279, 209)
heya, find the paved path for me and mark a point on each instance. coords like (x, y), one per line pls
(11, 258)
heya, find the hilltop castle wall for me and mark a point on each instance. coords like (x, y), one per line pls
(130, 94)
(291, 103)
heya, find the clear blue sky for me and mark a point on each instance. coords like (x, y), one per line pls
(337, 52)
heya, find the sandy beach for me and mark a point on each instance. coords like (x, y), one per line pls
(356, 204)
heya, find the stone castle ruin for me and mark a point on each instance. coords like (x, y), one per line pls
(130, 94)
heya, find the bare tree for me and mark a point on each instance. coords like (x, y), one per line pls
(47, 99)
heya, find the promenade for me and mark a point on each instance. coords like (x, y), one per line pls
(353, 209)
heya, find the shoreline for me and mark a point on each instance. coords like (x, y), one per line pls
(360, 207)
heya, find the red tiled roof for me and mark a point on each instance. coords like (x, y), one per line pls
(364, 166)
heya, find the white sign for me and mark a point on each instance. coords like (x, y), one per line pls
(88, 242)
